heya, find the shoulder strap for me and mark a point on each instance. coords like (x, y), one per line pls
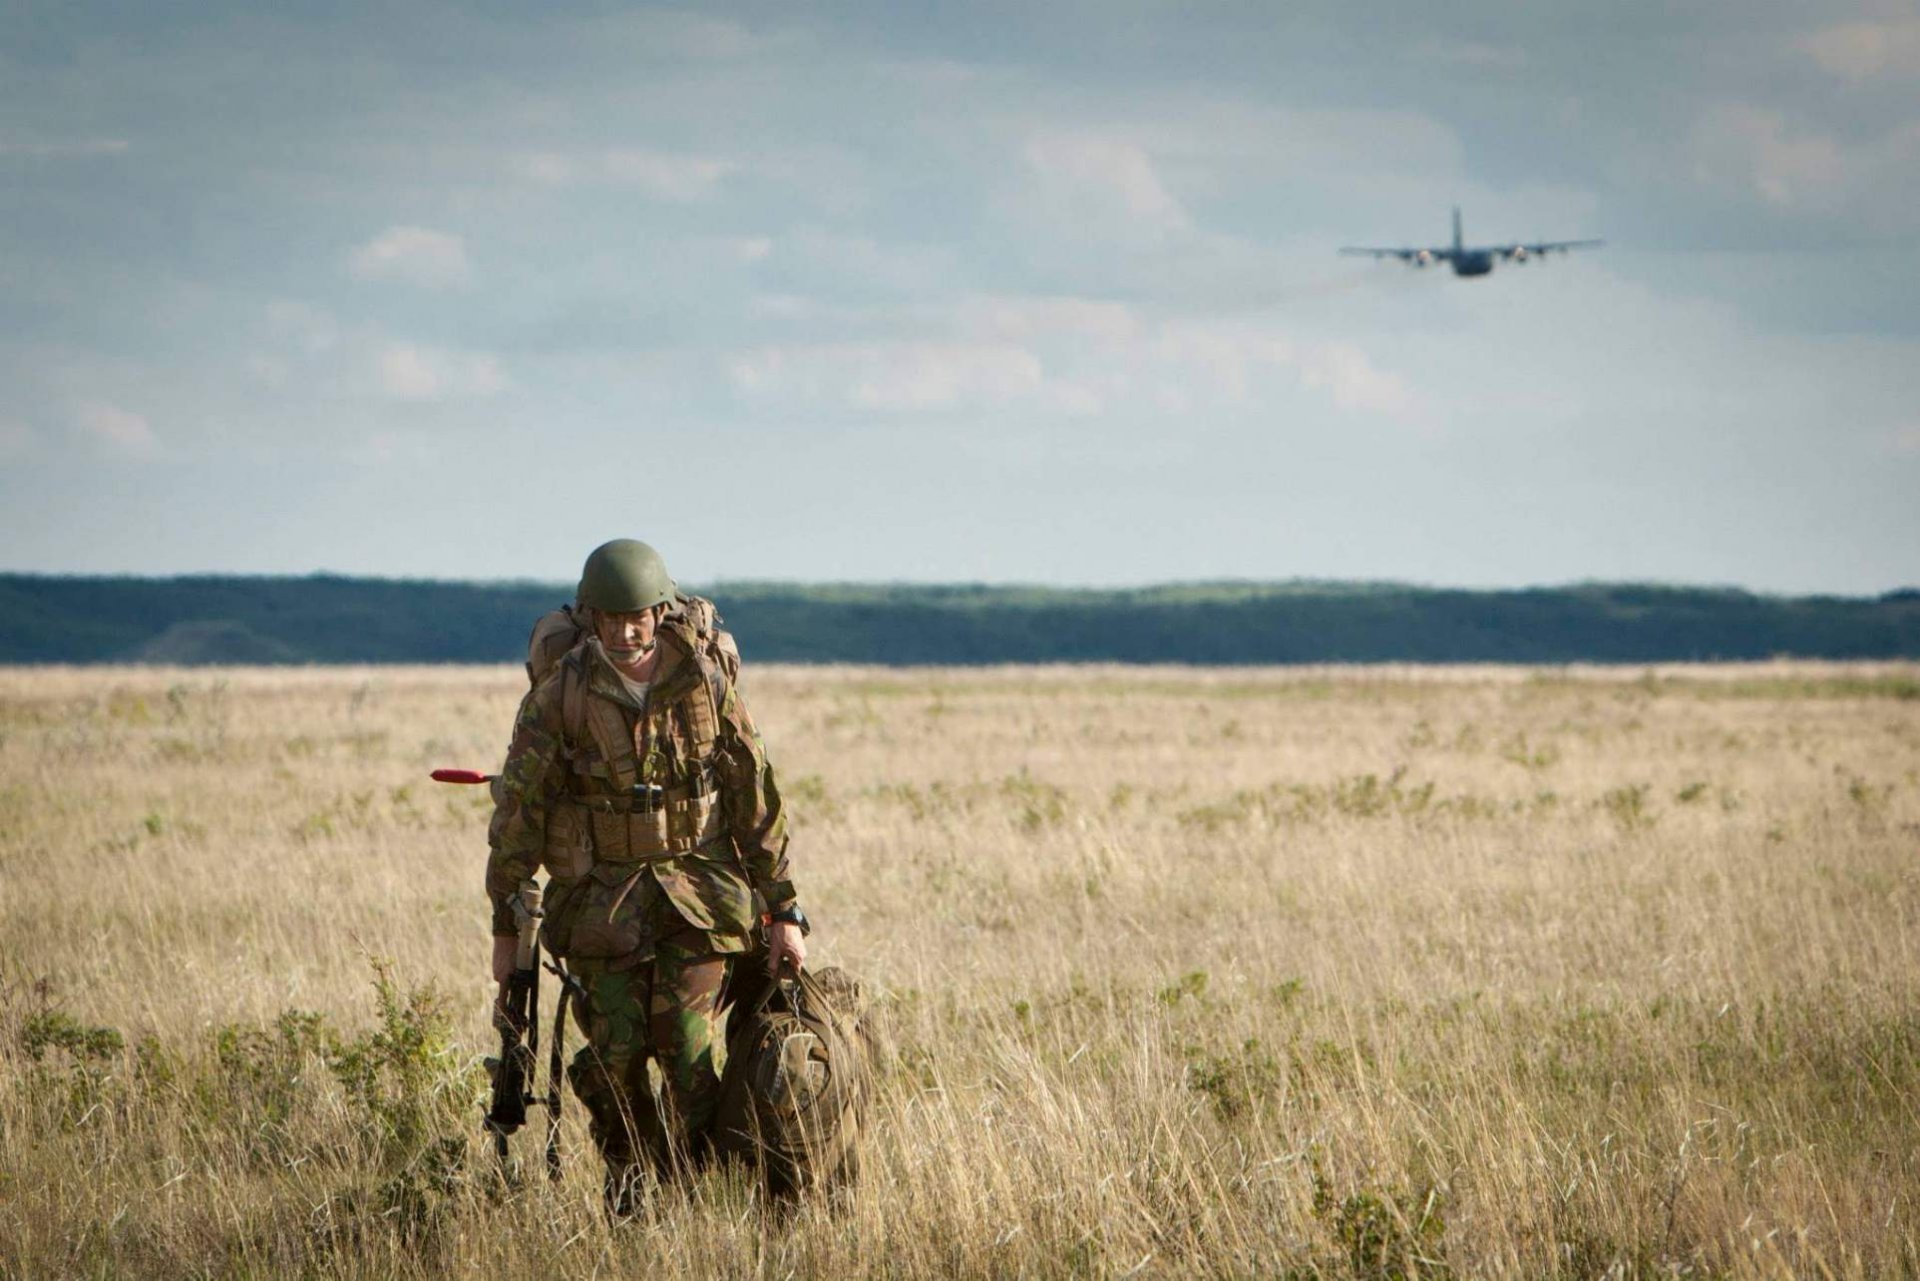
(573, 701)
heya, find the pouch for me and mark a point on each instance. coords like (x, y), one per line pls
(568, 854)
(621, 837)
(604, 916)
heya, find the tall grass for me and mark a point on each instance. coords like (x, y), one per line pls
(1386, 972)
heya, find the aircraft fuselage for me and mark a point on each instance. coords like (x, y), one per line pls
(1470, 260)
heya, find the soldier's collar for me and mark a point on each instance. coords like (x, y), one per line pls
(676, 674)
(604, 679)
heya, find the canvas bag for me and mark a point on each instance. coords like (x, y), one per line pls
(794, 1095)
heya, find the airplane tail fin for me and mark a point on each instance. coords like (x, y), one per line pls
(1457, 243)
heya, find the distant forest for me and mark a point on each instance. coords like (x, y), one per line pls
(331, 619)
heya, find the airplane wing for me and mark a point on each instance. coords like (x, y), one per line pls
(1541, 249)
(1404, 255)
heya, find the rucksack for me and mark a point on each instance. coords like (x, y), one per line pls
(795, 1092)
(556, 633)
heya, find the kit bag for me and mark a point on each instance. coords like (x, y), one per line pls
(795, 1092)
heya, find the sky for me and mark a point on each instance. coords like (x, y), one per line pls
(1019, 292)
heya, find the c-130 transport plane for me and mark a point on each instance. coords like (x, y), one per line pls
(1476, 260)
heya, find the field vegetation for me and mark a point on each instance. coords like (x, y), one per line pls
(1319, 972)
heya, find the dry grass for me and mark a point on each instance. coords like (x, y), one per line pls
(1325, 972)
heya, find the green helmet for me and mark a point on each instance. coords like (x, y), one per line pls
(623, 577)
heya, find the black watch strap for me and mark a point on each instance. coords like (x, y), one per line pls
(791, 915)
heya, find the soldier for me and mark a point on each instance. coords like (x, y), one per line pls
(638, 780)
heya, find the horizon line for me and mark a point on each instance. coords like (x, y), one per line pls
(715, 584)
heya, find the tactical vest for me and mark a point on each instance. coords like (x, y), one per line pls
(646, 791)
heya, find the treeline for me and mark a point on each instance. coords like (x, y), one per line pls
(333, 619)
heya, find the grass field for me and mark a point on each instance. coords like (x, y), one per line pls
(1383, 972)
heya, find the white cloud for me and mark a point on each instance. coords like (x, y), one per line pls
(385, 448)
(1351, 380)
(407, 371)
(832, 260)
(1467, 53)
(1213, 364)
(921, 377)
(1756, 149)
(1753, 145)
(17, 440)
(1105, 180)
(417, 255)
(117, 430)
(269, 371)
(1906, 440)
(1061, 356)
(1865, 50)
(669, 176)
(76, 147)
(313, 331)
(672, 37)
(1199, 364)
(548, 168)
(1018, 319)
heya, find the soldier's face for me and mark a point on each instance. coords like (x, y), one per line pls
(626, 637)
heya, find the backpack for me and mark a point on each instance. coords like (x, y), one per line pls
(556, 633)
(795, 1091)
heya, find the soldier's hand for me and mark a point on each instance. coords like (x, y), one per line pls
(505, 946)
(786, 947)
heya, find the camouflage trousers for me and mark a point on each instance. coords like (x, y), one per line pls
(664, 1010)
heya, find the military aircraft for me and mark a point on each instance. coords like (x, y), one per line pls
(1474, 260)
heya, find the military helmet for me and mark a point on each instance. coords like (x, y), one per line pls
(623, 577)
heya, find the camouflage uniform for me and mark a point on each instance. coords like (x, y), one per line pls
(647, 899)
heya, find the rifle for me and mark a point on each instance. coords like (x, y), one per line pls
(516, 1014)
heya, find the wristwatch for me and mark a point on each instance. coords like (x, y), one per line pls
(789, 915)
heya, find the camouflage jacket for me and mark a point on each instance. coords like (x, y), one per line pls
(580, 743)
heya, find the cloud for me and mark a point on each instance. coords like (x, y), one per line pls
(311, 330)
(1343, 371)
(386, 448)
(1906, 440)
(116, 430)
(917, 377)
(60, 149)
(1019, 319)
(673, 37)
(1069, 357)
(1747, 145)
(668, 177)
(1193, 363)
(831, 263)
(1866, 50)
(1466, 53)
(1103, 180)
(416, 255)
(1755, 149)
(17, 440)
(406, 371)
(676, 178)
(1202, 364)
